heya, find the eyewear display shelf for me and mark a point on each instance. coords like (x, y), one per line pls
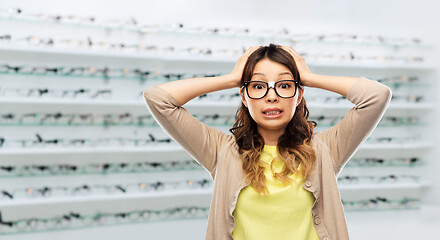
(81, 151)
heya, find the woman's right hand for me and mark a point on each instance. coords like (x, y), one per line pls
(237, 72)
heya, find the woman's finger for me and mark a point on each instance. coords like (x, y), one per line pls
(252, 49)
(292, 51)
(303, 69)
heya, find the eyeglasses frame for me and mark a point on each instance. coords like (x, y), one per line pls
(271, 85)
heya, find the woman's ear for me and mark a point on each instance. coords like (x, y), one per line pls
(243, 99)
(300, 95)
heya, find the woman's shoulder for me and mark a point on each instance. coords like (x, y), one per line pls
(228, 141)
(316, 139)
(316, 135)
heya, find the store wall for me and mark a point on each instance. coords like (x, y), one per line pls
(390, 18)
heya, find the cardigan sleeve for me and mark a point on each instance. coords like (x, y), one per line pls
(371, 100)
(196, 138)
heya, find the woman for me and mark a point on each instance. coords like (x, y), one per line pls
(274, 177)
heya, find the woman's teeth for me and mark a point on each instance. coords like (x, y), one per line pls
(272, 112)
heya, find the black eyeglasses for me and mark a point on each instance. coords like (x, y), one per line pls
(259, 89)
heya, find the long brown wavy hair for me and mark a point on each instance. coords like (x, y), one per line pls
(294, 146)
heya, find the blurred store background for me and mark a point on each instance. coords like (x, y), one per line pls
(82, 158)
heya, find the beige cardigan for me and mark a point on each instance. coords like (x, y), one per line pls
(217, 152)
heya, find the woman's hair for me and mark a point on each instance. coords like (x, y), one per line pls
(294, 145)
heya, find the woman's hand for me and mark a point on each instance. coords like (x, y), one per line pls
(304, 71)
(237, 72)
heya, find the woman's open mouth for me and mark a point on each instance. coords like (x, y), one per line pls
(273, 114)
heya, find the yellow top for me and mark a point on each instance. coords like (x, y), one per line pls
(286, 213)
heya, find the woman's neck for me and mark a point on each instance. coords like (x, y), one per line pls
(271, 136)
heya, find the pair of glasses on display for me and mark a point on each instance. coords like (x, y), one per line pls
(56, 93)
(395, 99)
(378, 179)
(283, 88)
(219, 97)
(327, 120)
(64, 71)
(401, 121)
(103, 72)
(96, 168)
(38, 41)
(407, 99)
(381, 203)
(400, 79)
(5, 38)
(89, 43)
(78, 220)
(216, 119)
(105, 120)
(385, 121)
(18, 13)
(326, 99)
(351, 57)
(394, 140)
(58, 118)
(41, 142)
(349, 38)
(379, 162)
(231, 97)
(132, 24)
(95, 189)
(196, 51)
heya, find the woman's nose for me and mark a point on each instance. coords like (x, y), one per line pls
(271, 95)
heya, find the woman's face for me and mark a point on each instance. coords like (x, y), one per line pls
(268, 71)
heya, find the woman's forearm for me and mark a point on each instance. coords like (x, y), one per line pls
(337, 84)
(187, 89)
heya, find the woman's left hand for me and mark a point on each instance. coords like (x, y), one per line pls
(304, 71)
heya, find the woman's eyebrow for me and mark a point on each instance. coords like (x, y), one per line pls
(284, 73)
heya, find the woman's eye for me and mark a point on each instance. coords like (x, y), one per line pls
(285, 85)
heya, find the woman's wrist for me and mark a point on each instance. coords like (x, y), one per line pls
(231, 80)
(337, 84)
(307, 80)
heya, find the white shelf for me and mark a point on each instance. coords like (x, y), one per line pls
(14, 49)
(252, 34)
(113, 197)
(61, 101)
(230, 106)
(183, 192)
(391, 106)
(372, 186)
(371, 65)
(378, 146)
(175, 149)
(165, 150)
(411, 106)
